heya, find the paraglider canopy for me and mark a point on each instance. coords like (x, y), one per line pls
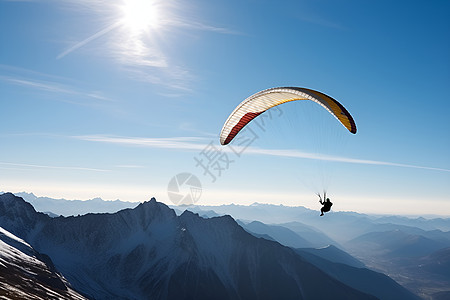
(260, 102)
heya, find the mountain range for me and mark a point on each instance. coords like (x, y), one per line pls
(63, 207)
(151, 253)
(121, 253)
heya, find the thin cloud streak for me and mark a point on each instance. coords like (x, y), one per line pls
(193, 143)
(299, 154)
(178, 23)
(183, 143)
(51, 167)
(314, 19)
(56, 88)
(130, 166)
(200, 26)
(18, 72)
(89, 39)
(49, 87)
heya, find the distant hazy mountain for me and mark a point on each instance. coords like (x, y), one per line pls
(334, 254)
(339, 226)
(280, 234)
(407, 253)
(266, 213)
(393, 244)
(417, 262)
(27, 274)
(316, 237)
(63, 207)
(368, 281)
(435, 234)
(196, 209)
(151, 253)
(422, 223)
(438, 263)
(433, 268)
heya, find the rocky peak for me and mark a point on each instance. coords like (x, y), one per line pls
(18, 216)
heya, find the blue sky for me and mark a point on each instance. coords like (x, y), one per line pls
(113, 99)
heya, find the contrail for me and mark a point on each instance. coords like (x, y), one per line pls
(197, 144)
(299, 154)
(89, 39)
(192, 25)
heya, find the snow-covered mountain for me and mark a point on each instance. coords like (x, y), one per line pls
(151, 253)
(27, 274)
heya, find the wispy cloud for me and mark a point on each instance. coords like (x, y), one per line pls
(99, 95)
(18, 72)
(56, 88)
(180, 143)
(189, 127)
(31, 134)
(199, 144)
(45, 86)
(73, 168)
(129, 166)
(313, 18)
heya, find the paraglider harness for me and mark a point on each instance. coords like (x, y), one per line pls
(326, 203)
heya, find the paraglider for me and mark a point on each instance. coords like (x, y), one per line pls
(326, 203)
(262, 101)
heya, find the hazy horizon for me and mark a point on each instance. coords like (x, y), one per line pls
(237, 203)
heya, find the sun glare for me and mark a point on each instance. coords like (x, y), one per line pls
(140, 15)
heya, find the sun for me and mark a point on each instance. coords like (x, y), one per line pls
(140, 15)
